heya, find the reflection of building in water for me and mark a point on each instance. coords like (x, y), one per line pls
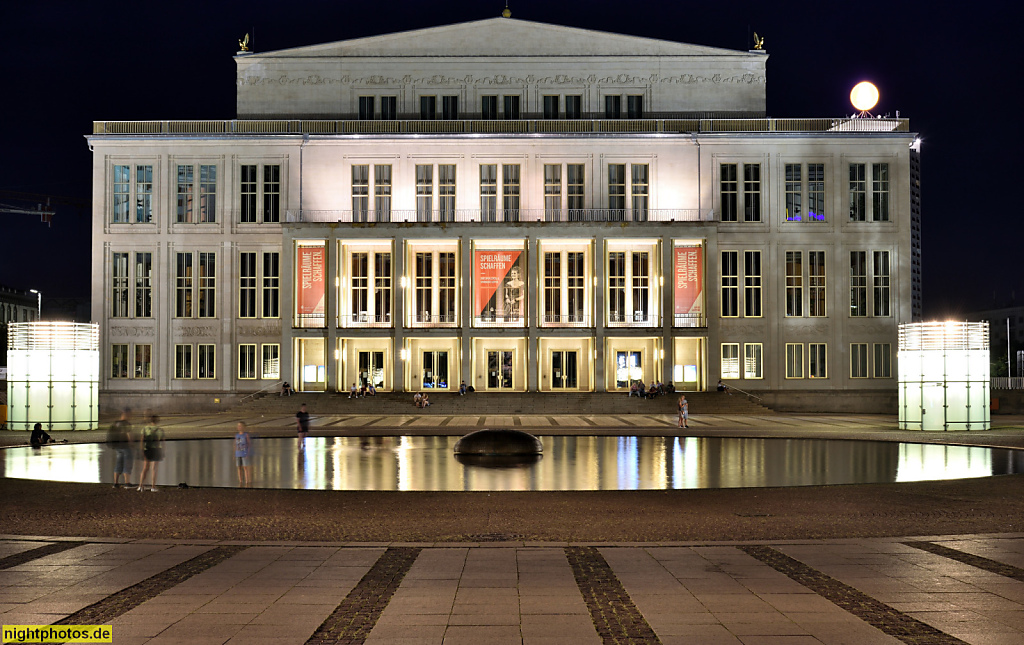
(437, 209)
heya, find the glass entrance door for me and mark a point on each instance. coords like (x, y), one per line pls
(435, 370)
(499, 370)
(628, 369)
(563, 370)
(371, 369)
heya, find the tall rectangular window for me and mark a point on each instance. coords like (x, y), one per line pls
(730, 284)
(576, 286)
(247, 285)
(752, 284)
(144, 285)
(424, 192)
(446, 192)
(574, 107)
(185, 194)
(880, 283)
(880, 192)
(616, 191)
(751, 192)
(730, 191)
(816, 283)
(552, 192)
(450, 108)
(641, 286)
(388, 108)
(794, 283)
(365, 109)
(446, 286)
(815, 192)
(511, 107)
(122, 193)
(143, 194)
(858, 193)
(552, 287)
(182, 361)
(360, 193)
(752, 360)
(424, 286)
(640, 189)
(616, 286)
(119, 286)
(360, 286)
(207, 285)
(183, 282)
(510, 191)
(207, 193)
(382, 287)
(858, 284)
(858, 360)
(730, 360)
(206, 361)
(882, 360)
(382, 192)
(272, 285)
(143, 361)
(794, 360)
(247, 361)
(119, 361)
(272, 193)
(817, 365)
(247, 194)
(488, 192)
(574, 190)
(428, 108)
(794, 193)
(612, 107)
(635, 106)
(551, 106)
(489, 107)
(270, 365)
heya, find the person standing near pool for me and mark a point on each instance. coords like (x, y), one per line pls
(152, 441)
(684, 412)
(302, 425)
(119, 437)
(243, 455)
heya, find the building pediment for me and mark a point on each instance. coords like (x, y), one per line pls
(502, 37)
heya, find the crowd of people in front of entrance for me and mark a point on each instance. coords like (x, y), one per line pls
(655, 389)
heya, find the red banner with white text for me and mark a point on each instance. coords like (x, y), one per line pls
(689, 279)
(311, 266)
(499, 283)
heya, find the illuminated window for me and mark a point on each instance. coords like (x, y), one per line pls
(858, 284)
(794, 283)
(858, 360)
(880, 192)
(248, 194)
(616, 191)
(143, 194)
(360, 192)
(639, 190)
(488, 192)
(801, 206)
(143, 285)
(794, 192)
(122, 191)
(794, 360)
(879, 199)
(271, 363)
(880, 283)
(552, 192)
(752, 360)
(510, 191)
(188, 197)
(247, 285)
(730, 360)
(247, 361)
(816, 283)
(143, 361)
(446, 192)
(182, 361)
(752, 284)
(382, 192)
(574, 190)
(729, 189)
(858, 193)
(271, 285)
(817, 366)
(382, 287)
(119, 361)
(119, 285)
(207, 285)
(206, 367)
(730, 284)
(183, 286)
(424, 192)
(751, 192)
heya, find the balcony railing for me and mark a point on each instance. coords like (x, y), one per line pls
(689, 320)
(437, 320)
(502, 216)
(565, 320)
(631, 319)
(367, 320)
(840, 125)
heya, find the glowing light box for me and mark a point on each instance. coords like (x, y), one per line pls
(944, 376)
(53, 371)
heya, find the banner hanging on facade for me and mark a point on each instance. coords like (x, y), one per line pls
(312, 260)
(499, 280)
(689, 279)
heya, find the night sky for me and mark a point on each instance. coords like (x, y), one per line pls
(951, 69)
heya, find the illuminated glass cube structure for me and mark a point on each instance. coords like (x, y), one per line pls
(53, 375)
(944, 376)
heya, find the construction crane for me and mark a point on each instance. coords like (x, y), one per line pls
(42, 204)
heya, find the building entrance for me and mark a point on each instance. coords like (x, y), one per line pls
(312, 368)
(435, 370)
(499, 370)
(371, 369)
(563, 370)
(628, 368)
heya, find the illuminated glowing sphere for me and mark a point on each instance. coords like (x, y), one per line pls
(864, 96)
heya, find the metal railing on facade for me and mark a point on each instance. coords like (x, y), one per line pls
(1007, 383)
(500, 215)
(840, 125)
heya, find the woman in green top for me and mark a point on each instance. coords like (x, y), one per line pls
(152, 441)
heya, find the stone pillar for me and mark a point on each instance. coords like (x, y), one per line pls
(331, 311)
(398, 313)
(597, 285)
(533, 360)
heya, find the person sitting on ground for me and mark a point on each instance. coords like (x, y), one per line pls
(418, 400)
(722, 387)
(641, 390)
(633, 389)
(462, 388)
(426, 402)
(286, 389)
(371, 390)
(353, 392)
(39, 437)
(652, 389)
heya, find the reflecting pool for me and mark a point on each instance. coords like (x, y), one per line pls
(568, 463)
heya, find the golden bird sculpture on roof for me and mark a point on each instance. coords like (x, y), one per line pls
(758, 42)
(243, 44)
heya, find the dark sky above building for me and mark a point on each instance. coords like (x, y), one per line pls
(952, 69)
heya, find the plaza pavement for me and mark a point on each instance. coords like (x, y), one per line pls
(920, 590)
